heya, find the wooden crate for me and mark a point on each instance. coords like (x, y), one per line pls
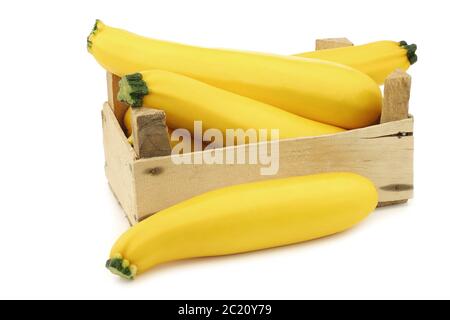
(144, 185)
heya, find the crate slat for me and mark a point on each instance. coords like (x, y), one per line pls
(119, 162)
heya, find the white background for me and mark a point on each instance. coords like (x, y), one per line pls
(58, 218)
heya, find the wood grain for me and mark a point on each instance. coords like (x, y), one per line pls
(150, 134)
(391, 203)
(331, 43)
(397, 88)
(119, 163)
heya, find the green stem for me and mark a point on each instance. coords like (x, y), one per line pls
(412, 57)
(121, 267)
(132, 90)
(92, 34)
(410, 51)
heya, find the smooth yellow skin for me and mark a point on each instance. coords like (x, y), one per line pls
(127, 122)
(377, 59)
(186, 100)
(249, 217)
(319, 90)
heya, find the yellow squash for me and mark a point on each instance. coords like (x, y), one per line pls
(319, 90)
(127, 122)
(377, 59)
(245, 218)
(186, 100)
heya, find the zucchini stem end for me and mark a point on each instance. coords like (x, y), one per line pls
(121, 267)
(410, 51)
(97, 27)
(132, 90)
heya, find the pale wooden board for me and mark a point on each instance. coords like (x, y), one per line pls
(119, 159)
(397, 89)
(391, 203)
(376, 152)
(150, 134)
(331, 43)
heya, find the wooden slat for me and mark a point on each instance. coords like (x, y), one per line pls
(119, 159)
(391, 203)
(397, 88)
(150, 135)
(331, 43)
(383, 153)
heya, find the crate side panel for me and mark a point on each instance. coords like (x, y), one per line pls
(383, 153)
(119, 158)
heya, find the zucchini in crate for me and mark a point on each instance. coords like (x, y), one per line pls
(185, 100)
(265, 214)
(377, 59)
(319, 90)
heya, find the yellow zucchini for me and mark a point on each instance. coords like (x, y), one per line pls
(127, 122)
(186, 100)
(319, 90)
(377, 59)
(263, 215)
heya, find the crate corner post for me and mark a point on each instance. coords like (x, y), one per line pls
(119, 108)
(150, 133)
(119, 154)
(332, 43)
(397, 88)
(395, 107)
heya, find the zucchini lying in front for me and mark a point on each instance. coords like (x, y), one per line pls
(377, 59)
(318, 90)
(263, 215)
(186, 100)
